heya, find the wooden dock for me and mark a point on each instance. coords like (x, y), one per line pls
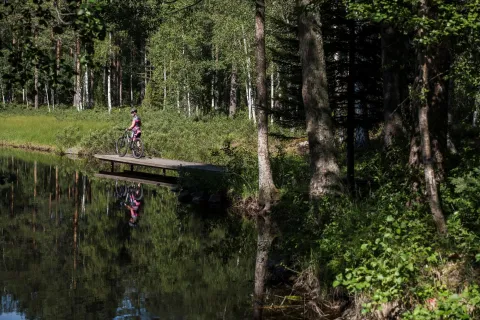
(165, 164)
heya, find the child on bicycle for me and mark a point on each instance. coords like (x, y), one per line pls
(136, 125)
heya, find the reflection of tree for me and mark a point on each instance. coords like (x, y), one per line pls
(199, 265)
(86, 263)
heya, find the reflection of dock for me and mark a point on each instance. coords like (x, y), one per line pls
(165, 164)
(140, 177)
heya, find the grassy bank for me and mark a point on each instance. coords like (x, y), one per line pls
(164, 133)
(40, 130)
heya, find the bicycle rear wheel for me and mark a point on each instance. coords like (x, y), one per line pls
(137, 148)
(121, 146)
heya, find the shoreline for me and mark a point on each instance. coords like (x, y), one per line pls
(28, 146)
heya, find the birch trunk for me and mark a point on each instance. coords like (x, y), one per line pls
(212, 84)
(216, 94)
(58, 50)
(178, 101)
(251, 107)
(35, 89)
(120, 81)
(131, 89)
(146, 72)
(267, 189)
(46, 95)
(323, 160)
(233, 92)
(272, 93)
(247, 95)
(164, 85)
(3, 93)
(188, 103)
(109, 71)
(87, 96)
(77, 98)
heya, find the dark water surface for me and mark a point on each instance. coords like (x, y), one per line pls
(71, 250)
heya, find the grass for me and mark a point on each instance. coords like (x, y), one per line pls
(41, 129)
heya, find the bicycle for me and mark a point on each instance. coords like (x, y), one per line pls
(125, 191)
(125, 142)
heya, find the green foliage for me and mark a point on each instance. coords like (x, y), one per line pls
(448, 305)
(446, 19)
(391, 264)
(462, 197)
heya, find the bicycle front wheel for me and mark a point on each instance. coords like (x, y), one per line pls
(121, 146)
(137, 148)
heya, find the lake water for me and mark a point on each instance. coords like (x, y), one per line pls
(78, 247)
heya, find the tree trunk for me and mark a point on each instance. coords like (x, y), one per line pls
(164, 84)
(35, 75)
(35, 89)
(424, 117)
(233, 92)
(120, 81)
(272, 93)
(146, 73)
(58, 50)
(109, 71)
(475, 117)
(131, 89)
(188, 103)
(77, 98)
(351, 108)
(248, 86)
(46, 95)
(214, 80)
(392, 97)
(323, 161)
(216, 92)
(3, 93)
(267, 190)
(86, 103)
(178, 100)
(91, 100)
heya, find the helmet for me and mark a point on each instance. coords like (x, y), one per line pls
(133, 110)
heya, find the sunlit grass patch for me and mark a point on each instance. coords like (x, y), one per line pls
(41, 129)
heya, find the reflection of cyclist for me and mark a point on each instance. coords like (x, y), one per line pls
(136, 124)
(134, 203)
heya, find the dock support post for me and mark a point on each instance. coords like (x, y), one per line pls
(112, 169)
(164, 172)
(131, 167)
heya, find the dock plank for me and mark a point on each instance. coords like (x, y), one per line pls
(161, 163)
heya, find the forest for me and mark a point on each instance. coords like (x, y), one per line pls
(350, 129)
